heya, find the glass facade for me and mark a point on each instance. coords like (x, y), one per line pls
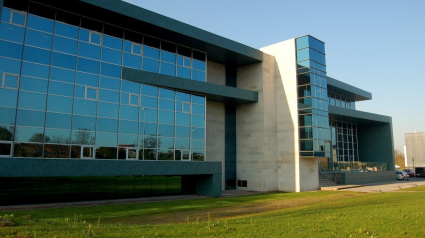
(62, 96)
(339, 100)
(344, 141)
(314, 130)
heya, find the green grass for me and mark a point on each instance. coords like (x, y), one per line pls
(308, 214)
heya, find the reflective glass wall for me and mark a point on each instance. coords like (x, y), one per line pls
(339, 100)
(314, 131)
(62, 96)
(344, 141)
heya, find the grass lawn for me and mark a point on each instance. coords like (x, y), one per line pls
(318, 214)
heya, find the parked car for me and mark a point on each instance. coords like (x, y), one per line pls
(401, 175)
(410, 172)
(420, 171)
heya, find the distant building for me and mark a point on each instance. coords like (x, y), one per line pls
(106, 88)
(415, 149)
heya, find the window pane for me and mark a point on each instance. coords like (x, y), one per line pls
(168, 69)
(134, 100)
(199, 65)
(111, 70)
(36, 55)
(198, 121)
(183, 72)
(39, 23)
(127, 140)
(5, 17)
(83, 138)
(131, 87)
(65, 45)
(10, 66)
(57, 136)
(198, 145)
(61, 89)
(85, 107)
(150, 65)
(166, 130)
(198, 156)
(183, 119)
(150, 114)
(198, 133)
(166, 117)
(166, 104)
(198, 99)
(62, 75)
(40, 39)
(109, 96)
(87, 79)
(183, 132)
(148, 129)
(112, 42)
(182, 144)
(197, 109)
(56, 151)
(28, 150)
(150, 52)
(124, 98)
(109, 83)
(132, 61)
(108, 110)
(10, 50)
(198, 75)
(166, 93)
(29, 134)
(129, 127)
(129, 113)
(18, 18)
(149, 102)
(168, 57)
(149, 90)
(66, 30)
(95, 38)
(89, 50)
(164, 142)
(183, 97)
(84, 123)
(12, 33)
(64, 61)
(30, 118)
(32, 101)
(11, 81)
(111, 56)
(89, 66)
(59, 104)
(8, 98)
(91, 93)
(105, 139)
(7, 117)
(107, 125)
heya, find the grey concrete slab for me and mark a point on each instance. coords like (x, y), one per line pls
(390, 186)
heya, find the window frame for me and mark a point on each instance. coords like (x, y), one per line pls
(96, 33)
(85, 93)
(3, 80)
(18, 12)
(129, 99)
(190, 59)
(11, 149)
(132, 49)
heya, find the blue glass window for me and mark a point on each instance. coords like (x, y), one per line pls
(134, 100)
(63, 89)
(90, 93)
(83, 138)
(166, 130)
(198, 133)
(128, 140)
(124, 98)
(197, 109)
(65, 45)
(84, 123)
(198, 121)
(10, 66)
(107, 125)
(302, 42)
(64, 61)
(303, 54)
(56, 136)
(129, 113)
(29, 100)
(32, 84)
(168, 69)
(89, 51)
(36, 55)
(8, 98)
(12, 33)
(149, 129)
(87, 79)
(85, 107)
(112, 42)
(183, 72)
(30, 118)
(198, 99)
(35, 70)
(8, 116)
(84, 35)
(150, 65)
(109, 96)
(95, 38)
(106, 140)
(89, 66)
(59, 104)
(183, 132)
(110, 83)
(149, 102)
(182, 144)
(166, 93)
(185, 97)
(111, 70)
(150, 52)
(39, 39)
(61, 121)
(166, 117)
(127, 46)
(168, 57)
(198, 145)
(62, 75)
(108, 110)
(11, 81)
(66, 30)
(18, 18)
(137, 49)
(166, 104)
(198, 75)
(166, 143)
(5, 16)
(10, 50)
(39, 23)
(132, 61)
(129, 127)
(183, 119)
(149, 90)
(199, 65)
(29, 134)
(111, 56)
(149, 115)
(131, 87)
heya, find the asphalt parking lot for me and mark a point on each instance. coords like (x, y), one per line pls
(391, 186)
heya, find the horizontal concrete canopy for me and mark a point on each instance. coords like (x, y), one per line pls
(214, 92)
(219, 49)
(348, 90)
(354, 116)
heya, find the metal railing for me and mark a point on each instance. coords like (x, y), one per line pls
(352, 166)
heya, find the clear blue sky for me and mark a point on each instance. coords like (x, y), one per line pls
(376, 45)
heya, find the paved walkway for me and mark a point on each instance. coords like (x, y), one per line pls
(391, 186)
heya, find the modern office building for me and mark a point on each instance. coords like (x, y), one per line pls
(415, 149)
(105, 88)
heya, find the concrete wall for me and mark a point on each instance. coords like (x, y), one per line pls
(215, 150)
(415, 148)
(367, 177)
(376, 143)
(216, 73)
